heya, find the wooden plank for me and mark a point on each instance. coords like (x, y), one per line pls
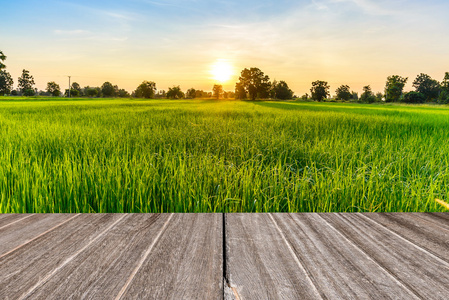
(427, 234)
(440, 219)
(185, 264)
(100, 270)
(8, 219)
(337, 267)
(417, 269)
(260, 264)
(22, 232)
(24, 268)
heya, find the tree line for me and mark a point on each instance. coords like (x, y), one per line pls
(253, 84)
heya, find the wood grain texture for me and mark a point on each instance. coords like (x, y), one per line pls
(426, 233)
(25, 267)
(426, 275)
(100, 271)
(337, 267)
(8, 219)
(22, 232)
(259, 263)
(185, 264)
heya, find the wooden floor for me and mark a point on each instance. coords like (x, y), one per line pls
(231, 256)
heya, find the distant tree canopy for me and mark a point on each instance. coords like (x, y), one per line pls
(343, 93)
(175, 93)
(191, 93)
(146, 90)
(444, 95)
(6, 83)
(217, 91)
(109, 90)
(254, 83)
(26, 83)
(393, 88)
(319, 90)
(281, 90)
(414, 97)
(427, 86)
(2, 59)
(367, 96)
(53, 88)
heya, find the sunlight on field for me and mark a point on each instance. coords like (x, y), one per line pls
(123, 155)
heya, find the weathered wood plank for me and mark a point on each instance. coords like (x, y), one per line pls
(440, 219)
(185, 264)
(20, 233)
(259, 262)
(25, 267)
(337, 267)
(101, 270)
(417, 269)
(8, 219)
(430, 235)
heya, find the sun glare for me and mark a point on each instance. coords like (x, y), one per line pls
(221, 70)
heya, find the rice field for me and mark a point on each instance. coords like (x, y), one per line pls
(127, 155)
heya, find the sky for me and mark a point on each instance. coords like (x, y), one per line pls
(177, 42)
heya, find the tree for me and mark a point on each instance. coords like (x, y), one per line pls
(393, 88)
(26, 82)
(53, 88)
(122, 93)
(367, 96)
(343, 93)
(254, 83)
(109, 90)
(319, 90)
(175, 93)
(191, 93)
(414, 97)
(282, 91)
(6, 83)
(240, 92)
(91, 92)
(427, 86)
(217, 91)
(146, 90)
(444, 95)
(2, 59)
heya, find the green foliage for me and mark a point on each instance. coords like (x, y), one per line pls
(175, 93)
(91, 92)
(122, 93)
(2, 59)
(367, 96)
(146, 90)
(6, 83)
(319, 90)
(427, 86)
(53, 88)
(254, 83)
(393, 88)
(217, 91)
(123, 155)
(414, 97)
(191, 93)
(343, 93)
(109, 90)
(282, 91)
(29, 92)
(26, 83)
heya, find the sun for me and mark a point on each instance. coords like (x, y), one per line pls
(221, 70)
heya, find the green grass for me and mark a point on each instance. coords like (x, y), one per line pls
(112, 155)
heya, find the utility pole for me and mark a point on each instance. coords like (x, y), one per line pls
(69, 85)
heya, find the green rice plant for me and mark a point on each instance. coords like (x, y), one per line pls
(126, 155)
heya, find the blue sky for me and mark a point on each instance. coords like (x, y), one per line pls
(174, 42)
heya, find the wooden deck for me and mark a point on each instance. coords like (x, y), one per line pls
(230, 256)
